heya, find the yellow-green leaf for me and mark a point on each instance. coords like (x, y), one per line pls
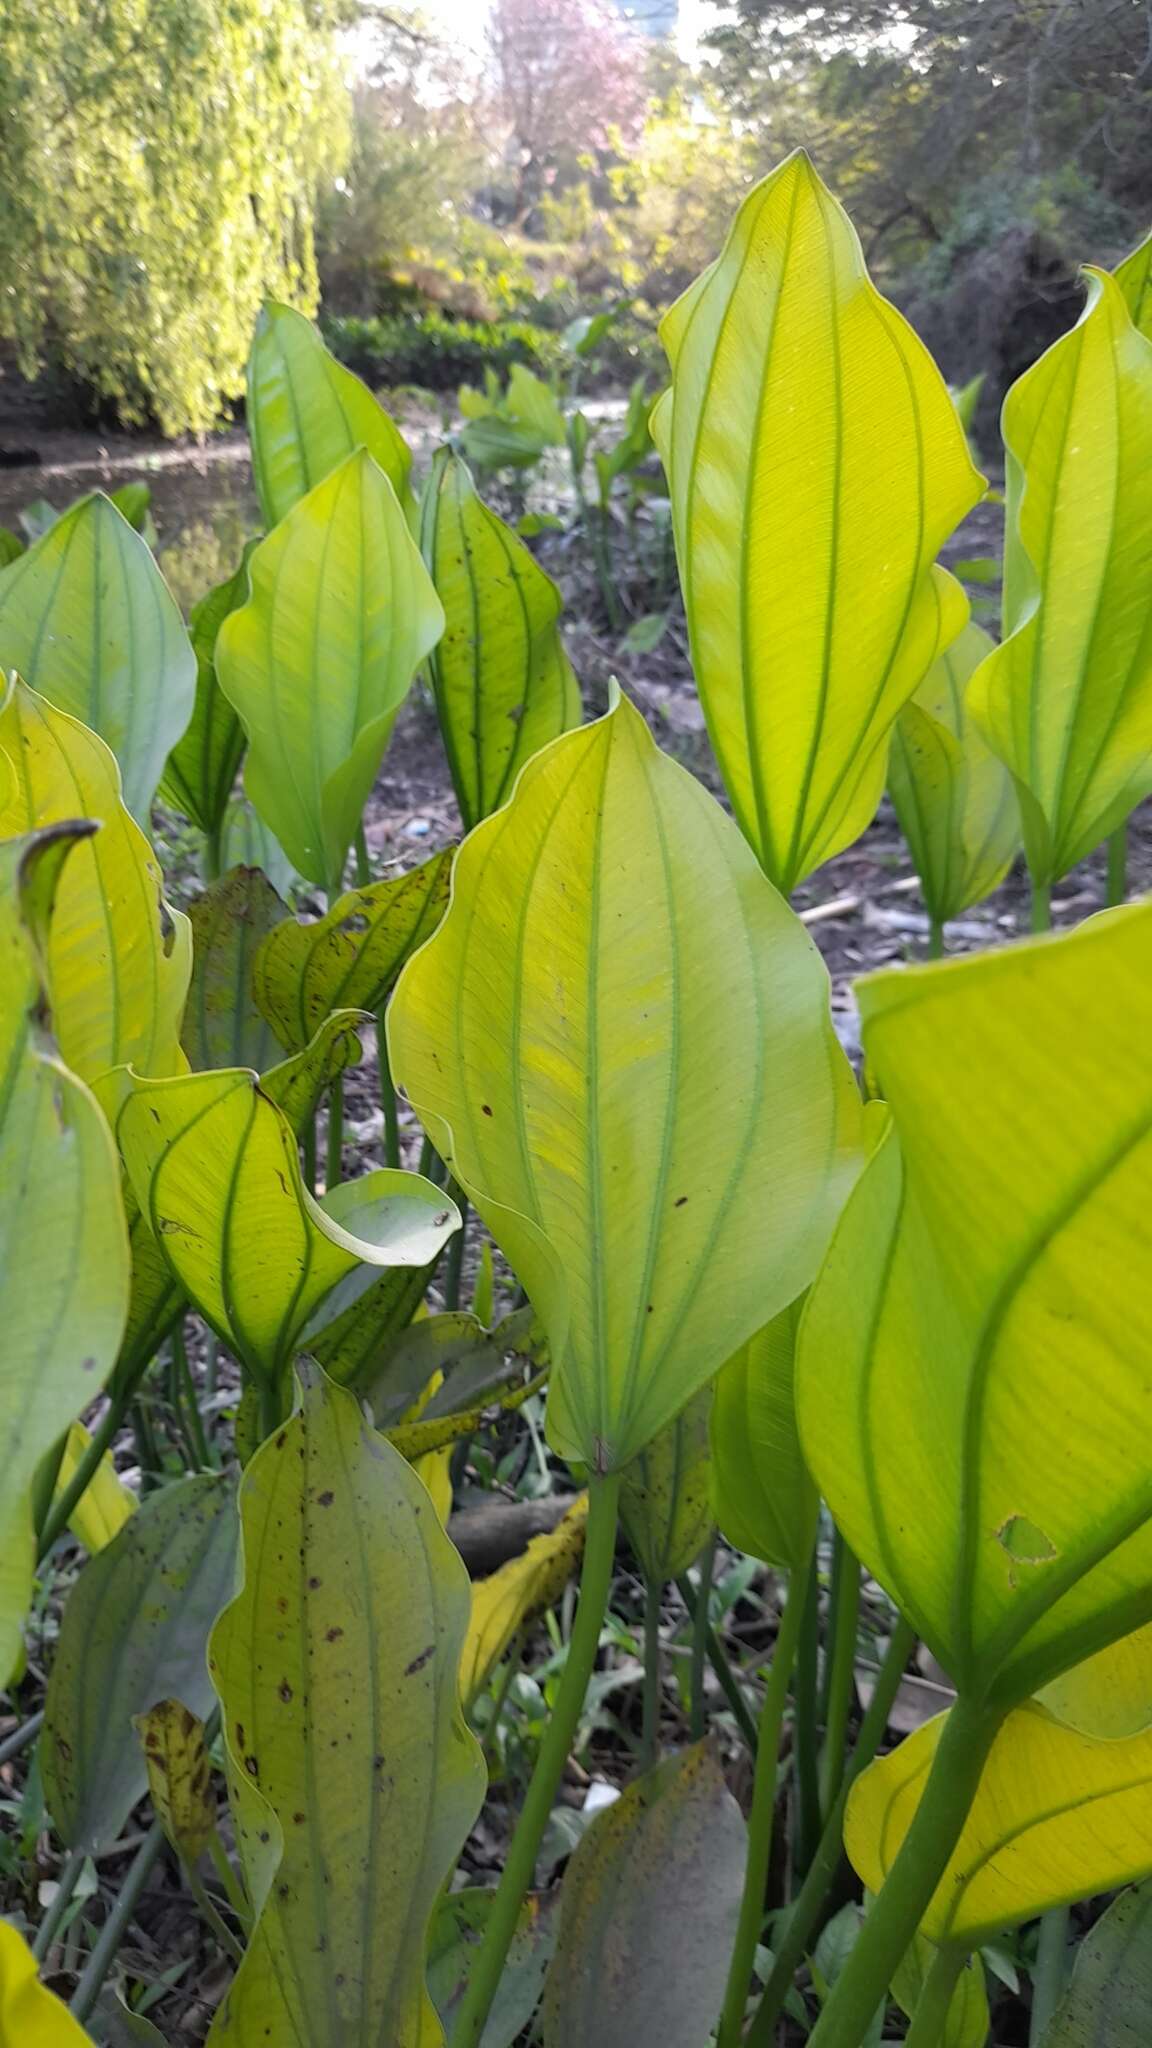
(967, 2021)
(215, 1168)
(955, 800)
(89, 622)
(347, 1752)
(30, 2015)
(620, 1040)
(511, 1595)
(816, 463)
(179, 1775)
(230, 920)
(1134, 277)
(664, 1497)
(504, 684)
(1110, 1694)
(317, 663)
(297, 1084)
(63, 1244)
(351, 957)
(762, 1494)
(105, 1504)
(203, 765)
(306, 412)
(975, 1359)
(1066, 700)
(1109, 2000)
(1058, 1816)
(529, 399)
(118, 957)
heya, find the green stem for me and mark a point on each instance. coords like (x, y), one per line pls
(211, 1365)
(117, 1924)
(935, 938)
(1118, 865)
(806, 1728)
(651, 1737)
(1041, 906)
(388, 1101)
(309, 1144)
(213, 859)
(961, 1754)
(516, 1878)
(792, 1940)
(845, 1613)
(147, 1449)
(50, 1925)
(211, 1918)
(46, 1481)
(187, 1385)
(698, 1721)
(717, 1657)
(233, 1888)
(334, 1171)
(18, 1741)
(760, 1820)
(269, 1409)
(1051, 1965)
(454, 1264)
(363, 862)
(944, 1971)
(500, 1697)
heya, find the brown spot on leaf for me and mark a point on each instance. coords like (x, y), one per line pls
(419, 1662)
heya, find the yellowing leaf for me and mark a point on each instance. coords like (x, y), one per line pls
(620, 1040)
(1066, 700)
(215, 1168)
(816, 464)
(975, 1359)
(63, 1245)
(352, 956)
(105, 1505)
(317, 663)
(1057, 1817)
(1110, 1694)
(967, 2020)
(30, 2015)
(764, 1499)
(203, 765)
(955, 801)
(664, 1494)
(347, 1752)
(179, 1775)
(306, 413)
(89, 622)
(118, 959)
(511, 1595)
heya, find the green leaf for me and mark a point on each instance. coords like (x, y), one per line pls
(214, 1166)
(106, 1503)
(298, 1084)
(493, 442)
(975, 1356)
(353, 1778)
(1057, 1816)
(615, 982)
(763, 1497)
(222, 1025)
(351, 957)
(353, 1344)
(247, 842)
(646, 634)
(967, 2020)
(1110, 1694)
(632, 1968)
(1134, 277)
(11, 546)
(816, 464)
(179, 1776)
(518, 1589)
(633, 447)
(1110, 1997)
(1066, 700)
(504, 685)
(340, 573)
(307, 413)
(529, 400)
(955, 801)
(134, 1631)
(134, 503)
(966, 398)
(118, 958)
(155, 1301)
(471, 1360)
(63, 1244)
(203, 766)
(664, 1498)
(89, 622)
(456, 1934)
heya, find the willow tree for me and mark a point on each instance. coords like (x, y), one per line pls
(159, 161)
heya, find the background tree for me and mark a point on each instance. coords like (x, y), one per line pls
(569, 84)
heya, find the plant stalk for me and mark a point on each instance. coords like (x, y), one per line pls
(187, 1386)
(650, 1748)
(793, 1938)
(935, 938)
(1041, 918)
(363, 862)
(16, 1743)
(944, 1973)
(233, 1888)
(760, 1820)
(698, 1710)
(212, 1918)
(388, 1101)
(213, 855)
(516, 1877)
(717, 1657)
(334, 1170)
(454, 1264)
(969, 1733)
(845, 1613)
(1118, 865)
(117, 1924)
(806, 1726)
(50, 1925)
(1051, 1965)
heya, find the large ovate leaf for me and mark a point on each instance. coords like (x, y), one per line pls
(619, 1039)
(966, 2021)
(523, 1586)
(1109, 2001)
(306, 412)
(1057, 1816)
(352, 1775)
(89, 622)
(1110, 1694)
(665, 1500)
(816, 464)
(118, 958)
(504, 684)
(30, 2015)
(63, 1243)
(203, 765)
(317, 663)
(632, 1968)
(1066, 700)
(975, 1358)
(763, 1496)
(955, 801)
(352, 956)
(214, 1165)
(134, 1631)
(230, 920)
